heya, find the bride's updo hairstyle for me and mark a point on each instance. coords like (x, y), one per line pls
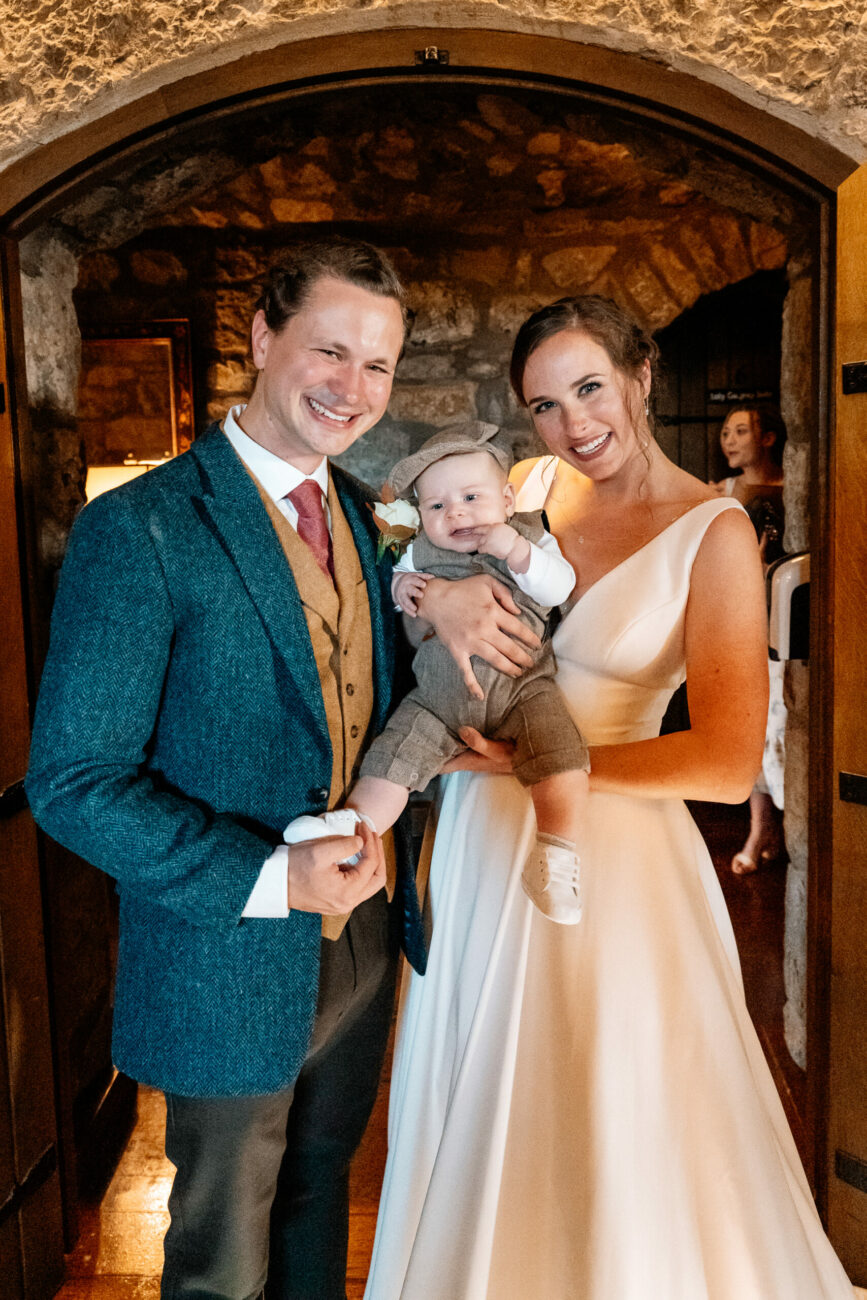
(628, 345)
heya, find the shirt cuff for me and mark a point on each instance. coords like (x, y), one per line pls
(402, 565)
(269, 896)
(405, 564)
(549, 578)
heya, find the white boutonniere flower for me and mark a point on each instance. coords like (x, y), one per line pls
(398, 522)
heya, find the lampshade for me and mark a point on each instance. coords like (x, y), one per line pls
(100, 478)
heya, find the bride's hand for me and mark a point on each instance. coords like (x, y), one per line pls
(481, 754)
(478, 616)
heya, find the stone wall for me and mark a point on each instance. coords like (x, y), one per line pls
(799, 394)
(48, 276)
(491, 205)
(68, 63)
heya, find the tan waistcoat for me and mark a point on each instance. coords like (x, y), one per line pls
(338, 621)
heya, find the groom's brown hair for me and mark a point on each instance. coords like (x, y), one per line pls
(291, 280)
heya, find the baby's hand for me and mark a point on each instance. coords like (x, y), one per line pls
(407, 589)
(497, 540)
(504, 543)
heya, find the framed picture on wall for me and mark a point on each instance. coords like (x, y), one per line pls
(135, 399)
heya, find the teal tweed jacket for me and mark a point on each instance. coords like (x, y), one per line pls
(179, 727)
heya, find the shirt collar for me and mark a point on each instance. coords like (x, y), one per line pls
(277, 476)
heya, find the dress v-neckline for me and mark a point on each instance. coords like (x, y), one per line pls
(573, 604)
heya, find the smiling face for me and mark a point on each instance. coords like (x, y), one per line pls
(741, 440)
(582, 406)
(325, 378)
(459, 495)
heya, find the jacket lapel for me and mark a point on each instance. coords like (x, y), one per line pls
(230, 507)
(377, 578)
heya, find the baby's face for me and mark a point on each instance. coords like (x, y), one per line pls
(460, 495)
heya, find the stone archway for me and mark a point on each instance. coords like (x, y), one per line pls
(487, 43)
(76, 89)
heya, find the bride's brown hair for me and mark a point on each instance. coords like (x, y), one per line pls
(627, 344)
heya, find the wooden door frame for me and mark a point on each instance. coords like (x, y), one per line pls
(821, 728)
(846, 1141)
(31, 1237)
(50, 176)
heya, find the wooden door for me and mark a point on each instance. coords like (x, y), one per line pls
(724, 349)
(94, 1106)
(846, 1164)
(31, 1232)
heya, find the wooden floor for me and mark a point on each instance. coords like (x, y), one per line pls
(118, 1255)
(756, 906)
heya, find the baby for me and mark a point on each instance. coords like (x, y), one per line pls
(469, 525)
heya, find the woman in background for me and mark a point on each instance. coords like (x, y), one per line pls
(752, 440)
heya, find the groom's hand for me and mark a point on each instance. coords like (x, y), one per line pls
(320, 881)
(478, 616)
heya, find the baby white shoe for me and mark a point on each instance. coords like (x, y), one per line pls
(552, 880)
(343, 821)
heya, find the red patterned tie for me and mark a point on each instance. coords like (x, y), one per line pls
(312, 524)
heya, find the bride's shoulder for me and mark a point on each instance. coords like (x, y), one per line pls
(685, 487)
(523, 469)
(533, 481)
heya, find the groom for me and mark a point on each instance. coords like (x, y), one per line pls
(223, 644)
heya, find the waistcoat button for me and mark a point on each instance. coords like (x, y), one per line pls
(353, 731)
(350, 689)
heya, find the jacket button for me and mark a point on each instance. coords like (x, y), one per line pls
(318, 794)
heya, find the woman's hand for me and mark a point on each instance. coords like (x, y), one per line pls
(481, 754)
(477, 616)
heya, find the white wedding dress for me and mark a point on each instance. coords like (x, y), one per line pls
(585, 1111)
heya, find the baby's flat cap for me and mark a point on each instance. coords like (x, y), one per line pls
(456, 440)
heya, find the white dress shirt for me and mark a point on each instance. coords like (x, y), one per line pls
(277, 476)
(269, 896)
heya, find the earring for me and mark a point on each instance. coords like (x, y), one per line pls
(647, 406)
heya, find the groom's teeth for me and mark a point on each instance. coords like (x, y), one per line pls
(323, 410)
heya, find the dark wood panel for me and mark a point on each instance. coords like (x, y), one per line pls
(8, 1180)
(729, 340)
(41, 1229)
(25, 995)
(10, 1260)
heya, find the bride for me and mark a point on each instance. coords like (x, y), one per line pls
(586, 1111)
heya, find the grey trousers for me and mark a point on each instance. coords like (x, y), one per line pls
(260, 1200)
